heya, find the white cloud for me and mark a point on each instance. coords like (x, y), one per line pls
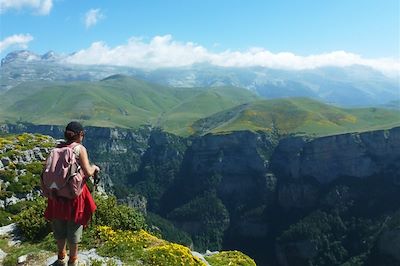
(92, 17)
(20, 40)
(163, 51)
(40, 7)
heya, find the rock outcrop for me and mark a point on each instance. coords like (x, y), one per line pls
(20, 166)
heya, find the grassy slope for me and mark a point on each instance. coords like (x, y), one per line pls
(121, 102)
(117, 101)
(126, 102)
(298, 115)
(203, 104)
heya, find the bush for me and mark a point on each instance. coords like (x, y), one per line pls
(126, 245)
(5, 217)
(7, 175)
(117, 216)
(20, 206)
(5, 194)
(32, 223)
(234, 258)
(35, 168)
(171, 254)
(17, 188)
(25, 184)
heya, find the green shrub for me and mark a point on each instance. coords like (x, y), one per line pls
(5, 217)
(12, 154)
(117, 216)
(20, 166)
(35, 168)
(5, 194)
(7, 175)
(233, 258)
(20, 206)
(25, 184)
(171, 254)
(31, 221)
(30, 179)
(17, 187)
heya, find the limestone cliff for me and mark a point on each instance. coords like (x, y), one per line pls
(304, 165)
(328, 158)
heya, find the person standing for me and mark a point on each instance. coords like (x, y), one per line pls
(69, 216)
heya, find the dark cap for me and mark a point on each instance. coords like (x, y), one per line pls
(74, 127)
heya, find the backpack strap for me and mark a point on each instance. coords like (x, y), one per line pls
(72, 145)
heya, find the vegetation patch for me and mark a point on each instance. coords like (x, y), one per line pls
(234, 258)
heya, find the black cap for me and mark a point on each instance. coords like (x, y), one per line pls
(74, 127)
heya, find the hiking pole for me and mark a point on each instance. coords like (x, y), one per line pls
(96, 180)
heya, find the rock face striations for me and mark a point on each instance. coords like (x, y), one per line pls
(255, 191)
(304, 165)
(328, 158)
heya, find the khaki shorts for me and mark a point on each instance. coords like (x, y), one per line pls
(67, 230)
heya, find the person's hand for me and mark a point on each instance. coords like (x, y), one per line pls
(96, 168)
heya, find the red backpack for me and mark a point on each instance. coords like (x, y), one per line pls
(62, 175)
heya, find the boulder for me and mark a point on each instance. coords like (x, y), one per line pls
(5, 161)
(38, 154)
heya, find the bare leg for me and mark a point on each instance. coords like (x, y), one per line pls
(73, 251)
(62, 251)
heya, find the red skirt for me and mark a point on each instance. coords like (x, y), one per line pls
(79, 210)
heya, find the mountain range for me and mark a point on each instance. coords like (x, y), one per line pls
(343, 86)
(123, 101)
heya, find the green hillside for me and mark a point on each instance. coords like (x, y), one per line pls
(180, 118)
(297, 116)
(121, 101)
(117, 101)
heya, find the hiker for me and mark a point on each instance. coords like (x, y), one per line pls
(68, 216)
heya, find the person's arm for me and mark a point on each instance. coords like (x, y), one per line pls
(87, 168)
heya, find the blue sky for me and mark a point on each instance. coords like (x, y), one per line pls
(363, 29)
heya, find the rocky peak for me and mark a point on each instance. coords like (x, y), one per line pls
(20, 56)
(50, 56)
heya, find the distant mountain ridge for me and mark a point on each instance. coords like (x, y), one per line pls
(347, 86)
